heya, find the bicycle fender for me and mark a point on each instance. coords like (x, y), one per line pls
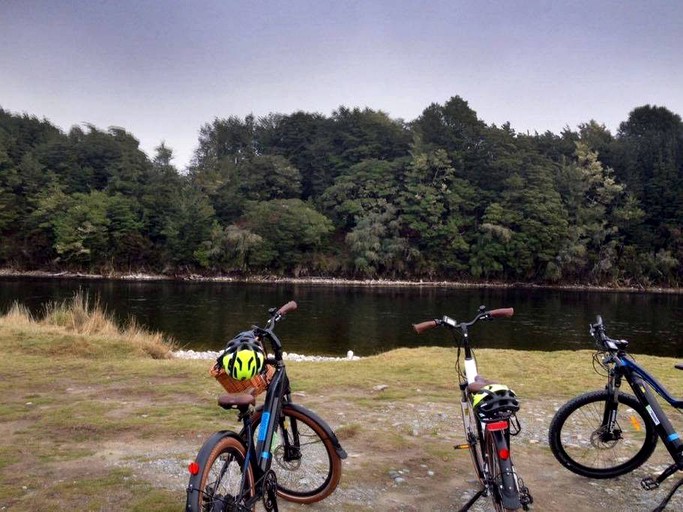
(509, 492)
(317, 419)
(328, 430)
(201, 459)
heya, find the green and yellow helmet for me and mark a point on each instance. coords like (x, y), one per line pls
(243, 358)
(495, 402)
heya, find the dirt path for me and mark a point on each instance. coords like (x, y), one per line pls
(401, 459)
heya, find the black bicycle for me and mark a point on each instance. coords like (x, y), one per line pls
(607, 433)
(488, 412)
(282, 450)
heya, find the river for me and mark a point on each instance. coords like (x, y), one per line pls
(333, 319)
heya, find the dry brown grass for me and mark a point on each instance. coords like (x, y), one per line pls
(85, 317)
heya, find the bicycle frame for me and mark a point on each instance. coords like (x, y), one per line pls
(258, 455)
(643, 383)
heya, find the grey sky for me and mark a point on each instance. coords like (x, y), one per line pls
(162, 69)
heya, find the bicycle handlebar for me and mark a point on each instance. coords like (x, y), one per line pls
(462, 326)
(597, 331)
(502, 312)
(275, 316)
(290, 306)
(425, 326)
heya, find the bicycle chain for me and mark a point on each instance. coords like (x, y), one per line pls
(269, 492)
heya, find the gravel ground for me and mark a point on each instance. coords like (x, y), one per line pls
(401, 461)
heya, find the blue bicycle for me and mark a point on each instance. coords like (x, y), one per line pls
(607, 433)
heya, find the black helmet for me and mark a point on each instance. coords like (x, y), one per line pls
(495, 402)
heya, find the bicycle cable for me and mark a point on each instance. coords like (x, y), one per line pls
(598, 364)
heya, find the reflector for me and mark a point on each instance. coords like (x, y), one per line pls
(193, 468)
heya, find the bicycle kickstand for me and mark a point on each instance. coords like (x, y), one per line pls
(649, 483)
(664, 502)
(473, 500)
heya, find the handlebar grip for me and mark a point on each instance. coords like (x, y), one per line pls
(290, 306)
(424, 326)
(502, 312)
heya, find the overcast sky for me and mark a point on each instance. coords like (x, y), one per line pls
(162, 69)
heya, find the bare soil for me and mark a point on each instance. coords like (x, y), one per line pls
(401, 458)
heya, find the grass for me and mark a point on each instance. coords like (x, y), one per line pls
(80, 327)
(78, 390)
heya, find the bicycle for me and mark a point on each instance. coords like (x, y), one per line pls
(487, 425)
(608, 433)
(283, 450)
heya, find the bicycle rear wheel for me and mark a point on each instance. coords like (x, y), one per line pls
(503, 484)
(580, 442)
(218, 483)
(305, 461)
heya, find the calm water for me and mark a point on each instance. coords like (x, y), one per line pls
(333, 319)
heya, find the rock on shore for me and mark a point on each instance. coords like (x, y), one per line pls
(209, 354)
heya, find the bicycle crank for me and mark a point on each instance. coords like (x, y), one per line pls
(269, 492)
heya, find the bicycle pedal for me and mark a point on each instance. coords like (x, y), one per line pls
(462, 447)
(649, 484)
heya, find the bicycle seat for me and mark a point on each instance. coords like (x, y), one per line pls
(679, 366)
(479, 382)
(239, 400)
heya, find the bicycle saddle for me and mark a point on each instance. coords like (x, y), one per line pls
(479, 382)
(239, 400)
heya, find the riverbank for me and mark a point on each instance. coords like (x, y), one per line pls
(89, 425)
(330, 281)
(287, 356)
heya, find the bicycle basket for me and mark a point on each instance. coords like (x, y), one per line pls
(259, 383)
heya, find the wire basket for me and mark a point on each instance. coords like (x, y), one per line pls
(259, 383)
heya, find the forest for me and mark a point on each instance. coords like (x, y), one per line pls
(356, 194)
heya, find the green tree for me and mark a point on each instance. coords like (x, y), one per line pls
(79, 226)
(436, 209)
(360, 188)
(188, 229)
(590, 194)
(127, 244)
(649, 161)
(375, 243)
(232, 139)
(264, 178)
(532, 215)
(161, 196)
(303, 139)
(231, 249)
(292, 231)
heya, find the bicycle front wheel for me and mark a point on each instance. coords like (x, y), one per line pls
(305, 461)
(580, 441)
(219, 481)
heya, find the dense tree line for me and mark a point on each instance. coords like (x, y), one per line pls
(353, 194)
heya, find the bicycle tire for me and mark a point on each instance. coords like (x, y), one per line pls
(220, 460)
(504, 488)
(316, 473)
(574, 436)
